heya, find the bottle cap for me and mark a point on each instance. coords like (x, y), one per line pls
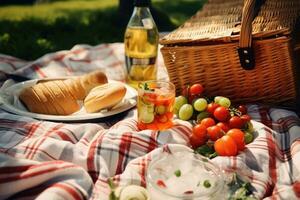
(141, 3)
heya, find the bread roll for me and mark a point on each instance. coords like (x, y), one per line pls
(82, 85)
(104, 96)
(60, 97)
(92, 80)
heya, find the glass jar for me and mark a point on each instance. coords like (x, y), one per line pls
(184, 175)
(155, 105)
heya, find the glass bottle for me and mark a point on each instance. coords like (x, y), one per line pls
(141, 44)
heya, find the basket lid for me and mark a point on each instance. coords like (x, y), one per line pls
(220, 21)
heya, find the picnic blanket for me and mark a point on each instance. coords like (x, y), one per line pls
(51, 160)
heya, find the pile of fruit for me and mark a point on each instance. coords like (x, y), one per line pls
(219, 127)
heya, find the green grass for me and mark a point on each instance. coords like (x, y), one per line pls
(52, 11)
(30, 31)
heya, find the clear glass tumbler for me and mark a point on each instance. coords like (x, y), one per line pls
(155, 105)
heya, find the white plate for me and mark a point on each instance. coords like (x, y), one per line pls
(9, 101)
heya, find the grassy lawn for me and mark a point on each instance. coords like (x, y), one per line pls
(30, 31)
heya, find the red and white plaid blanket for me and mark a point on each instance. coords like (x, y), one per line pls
(47, 160)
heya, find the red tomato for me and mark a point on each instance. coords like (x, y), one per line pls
(238, 136)
(245, 118)
(222, 114)
(214, 132)
(219, 147)
(197, 142)
(199, 136)
(208, 122)
(231, 147)
(242, 109)
(226, 146)
(211, 107)
(196, 89)
(224, 126)
(236, 122)
(200, 131)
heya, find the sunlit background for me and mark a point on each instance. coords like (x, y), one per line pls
(32, 28)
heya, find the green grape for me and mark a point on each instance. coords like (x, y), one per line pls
(179, 101)
(186, 112)
(160, 109)
(225, 102)
(200, 104)
(217, 99)
(249, 127)
(248, 137)
(202, 115)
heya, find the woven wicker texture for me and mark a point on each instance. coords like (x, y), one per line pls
(204, 50)
(223, 75)
(220, 20)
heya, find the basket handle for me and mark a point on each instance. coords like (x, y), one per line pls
(245, 50)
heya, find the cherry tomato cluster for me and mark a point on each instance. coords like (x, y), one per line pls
(218, 124)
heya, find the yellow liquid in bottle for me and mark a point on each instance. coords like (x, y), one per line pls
(140, 53)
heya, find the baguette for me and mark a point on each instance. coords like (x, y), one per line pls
(104, 96)
(60, 97)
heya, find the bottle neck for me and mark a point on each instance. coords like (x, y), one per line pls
(141, 16)
(141, 11)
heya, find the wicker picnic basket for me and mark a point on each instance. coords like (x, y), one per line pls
(246, 50)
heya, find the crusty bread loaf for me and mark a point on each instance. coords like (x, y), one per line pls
(76, 88)
(104, 96)
(49, 98)
(60, 97)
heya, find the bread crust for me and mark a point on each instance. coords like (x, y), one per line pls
(60, 97)
(49, 92)
(68, 103)
(29, 98)
(45, 102)
(92, 80)
(75, 88)
(104, 96)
